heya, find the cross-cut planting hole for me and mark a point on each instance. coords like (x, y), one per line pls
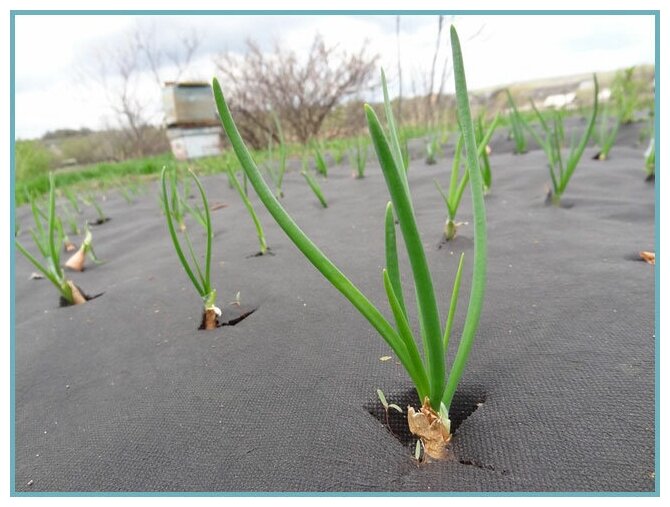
(100, 221)
(643, 256)
(261, 254)
(62, 302)
(231, 315)
(483, 466)
(467, 399)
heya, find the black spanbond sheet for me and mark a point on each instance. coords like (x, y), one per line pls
(125, 394)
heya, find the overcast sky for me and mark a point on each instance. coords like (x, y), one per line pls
(51, 92)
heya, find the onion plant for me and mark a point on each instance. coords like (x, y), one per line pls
(626, 94)
(71, 221)
(432, 147)
(358, 157)
(177, 207)
(90, 200)
(277, 173)
(63, 237)
(337, 152)
(561, 170)
(517, 124)
(458, 182)
(125, 193)
(315, 188)
(49, 244)
(199, 273)
(319, 161)
(74, 202)
(250, 209)
(452, 199)
(77, 260)
(650, 160)
(428, 373)
(606, 133)
(480, 133)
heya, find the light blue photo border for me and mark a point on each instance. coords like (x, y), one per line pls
(550, 12)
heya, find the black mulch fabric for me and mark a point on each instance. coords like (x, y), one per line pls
(125, 394)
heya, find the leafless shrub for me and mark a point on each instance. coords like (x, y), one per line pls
(301, 91)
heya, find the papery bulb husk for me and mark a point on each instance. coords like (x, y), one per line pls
(69, 246)
(210, 320)
(77, 297)
(76, 262)
(648, 257)
(427, 425)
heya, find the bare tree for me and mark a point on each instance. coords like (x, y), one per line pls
(119, 71)
(177, 59)
(429, 109)
(301, 91)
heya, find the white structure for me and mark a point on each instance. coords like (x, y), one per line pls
(195, 142)
(193, 127)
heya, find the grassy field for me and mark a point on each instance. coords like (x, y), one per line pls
(102, 176)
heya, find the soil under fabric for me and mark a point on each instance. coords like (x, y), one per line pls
(123, 393)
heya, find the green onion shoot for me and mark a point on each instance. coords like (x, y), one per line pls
(435, 384)
(198, 272)
(49, 246)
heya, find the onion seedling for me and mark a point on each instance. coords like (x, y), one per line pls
(337, 152)
(125, 193)
(73, 199)
(517, 124)
(63, 238)
(650, 160)
(483, 136)
(626, 92)
(561, 171)
(319, 161)
(49, 247)
(71, 221)
(282, 157)
(90, 200)
(76, 262)
(277, 174)
(607, 132)
(176, 207)
(452, 199)
(432, 148)
(199, 274)
(358, 157)
(315, 188)
(434, 387)
(250, 209)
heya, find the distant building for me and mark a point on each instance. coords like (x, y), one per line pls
(192, 125)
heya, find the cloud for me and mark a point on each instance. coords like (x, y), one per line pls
(506, 49)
